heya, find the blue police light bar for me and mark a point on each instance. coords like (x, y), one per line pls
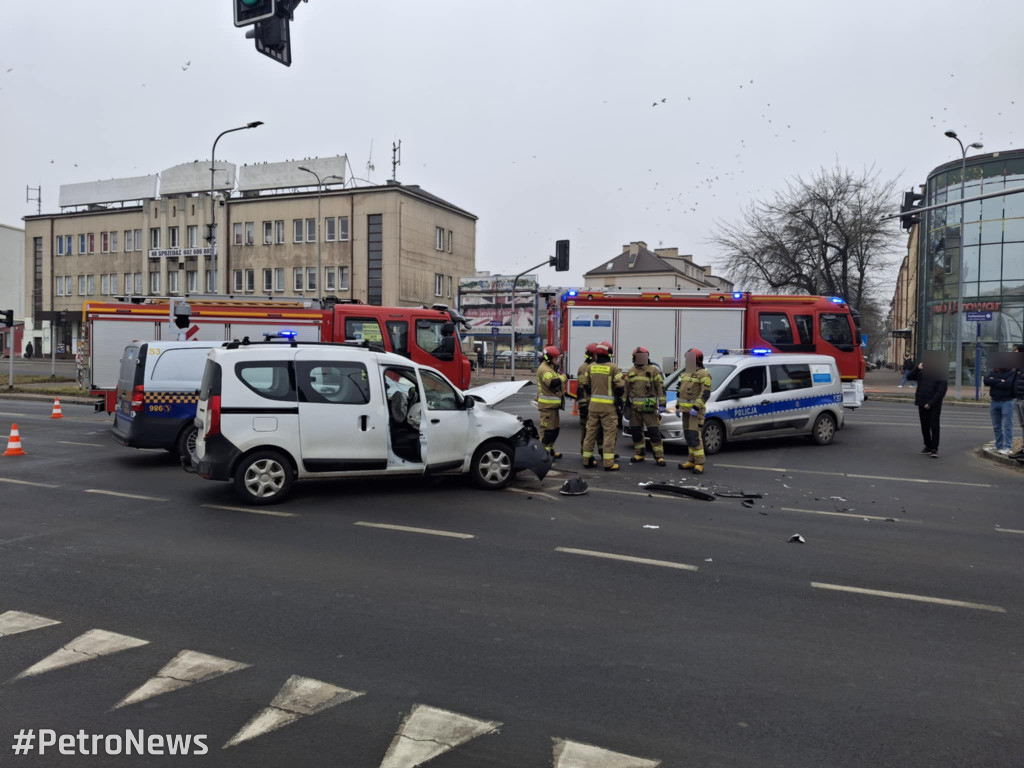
(737, 294)
(760, 352)
(837, 300)
(288, 334)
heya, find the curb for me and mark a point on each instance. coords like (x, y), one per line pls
(73, 399)
(945, 403)
(988, 452)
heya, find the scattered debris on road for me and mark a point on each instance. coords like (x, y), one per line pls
(693, 491)
(575, 486)
(748, 503)
(652, 526)
(796, 538)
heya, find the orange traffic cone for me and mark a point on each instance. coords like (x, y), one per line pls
(14, 443)
(575, 407)
(56, 414)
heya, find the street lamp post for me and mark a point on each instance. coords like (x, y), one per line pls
(960, 270)
(319, 235)
(213, 202)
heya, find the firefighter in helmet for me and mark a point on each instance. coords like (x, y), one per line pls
(645, 397)
(693, 393)
(602, 383)
(582, 401)
(550, 396)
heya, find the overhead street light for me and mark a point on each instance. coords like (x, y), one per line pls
(213, 202)
(319, 195)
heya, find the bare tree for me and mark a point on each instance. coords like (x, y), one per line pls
(823, 235)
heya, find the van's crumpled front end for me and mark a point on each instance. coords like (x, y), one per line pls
(529, 452)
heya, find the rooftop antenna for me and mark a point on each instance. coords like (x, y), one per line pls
(38, 199)
(396, 159)
(369, 163)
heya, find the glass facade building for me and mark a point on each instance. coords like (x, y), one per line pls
(988, 247)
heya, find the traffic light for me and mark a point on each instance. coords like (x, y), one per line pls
(182, 315)
(273, 39)
(909, 215)
(8, 317)
(561, 256)
(62, 318)
(248, 12)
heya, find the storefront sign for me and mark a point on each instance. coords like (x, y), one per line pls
(969, 306)
(178, 253)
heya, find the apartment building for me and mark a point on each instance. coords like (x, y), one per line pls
(661, 269)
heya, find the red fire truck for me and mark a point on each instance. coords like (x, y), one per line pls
(669, 322)
(427, 335)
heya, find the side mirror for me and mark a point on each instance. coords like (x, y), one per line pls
(744, 392)
(469, 403)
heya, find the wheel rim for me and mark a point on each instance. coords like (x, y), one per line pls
(190, 441)
(825, 428)
(712, 438)
(264, 478)
(495, 466)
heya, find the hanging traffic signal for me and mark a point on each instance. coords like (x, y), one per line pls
(8, 317)
(909, 215)
(248, 12)
(561, 256)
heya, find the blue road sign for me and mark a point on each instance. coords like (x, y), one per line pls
(494, 331)
(978, 317)
(495, 323)
(864, 340)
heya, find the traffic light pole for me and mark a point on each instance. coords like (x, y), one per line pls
(515, 282)
(12, 351)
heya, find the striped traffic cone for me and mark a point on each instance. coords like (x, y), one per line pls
(14, 443)
(56, 413)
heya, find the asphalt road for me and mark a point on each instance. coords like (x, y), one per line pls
(507, 642)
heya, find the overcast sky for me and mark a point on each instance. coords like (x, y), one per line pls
(536, 115)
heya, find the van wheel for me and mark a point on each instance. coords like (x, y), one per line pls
(491, 468)
(263, 477)
(824, 429)
(713, 437)
(186, 444)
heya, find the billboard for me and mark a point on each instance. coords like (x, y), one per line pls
(486, 303)
(253, 178)
(109, 191)
(191, 177)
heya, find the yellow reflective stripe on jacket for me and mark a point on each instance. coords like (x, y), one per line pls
(552, 400)
(601, 399)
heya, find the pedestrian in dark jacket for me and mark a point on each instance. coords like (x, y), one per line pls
(1018, 394)
(1000, 382)
(931, 389)
(908, 366)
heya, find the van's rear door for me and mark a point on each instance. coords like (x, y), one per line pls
(131, 374)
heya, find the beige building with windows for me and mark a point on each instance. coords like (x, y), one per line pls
(661, 269)
(390, 245)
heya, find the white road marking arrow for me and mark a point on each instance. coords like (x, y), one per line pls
(298, 697)
(574, 754)
(14, 622)
(187, 668)
(85, 647)
(428, 732)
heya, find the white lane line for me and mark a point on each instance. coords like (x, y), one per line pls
(85, 647)
(250, 510)
(627, 558)
(905, 596)
(124, 495)
(298, 697)
(428, 732)
(16, 415)
(545, 496)
(1008, 530)
(15, 622)
(185, 669)
(850, 474)
(88, 445)
(575, 754)
(27, 482)
(410, 529)
(844, 514)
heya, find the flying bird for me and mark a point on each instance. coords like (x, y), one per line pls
(186, 65)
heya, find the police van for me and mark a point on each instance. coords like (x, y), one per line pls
(275, 412)
(764, 394)
(157, 392)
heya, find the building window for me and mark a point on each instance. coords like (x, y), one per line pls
(310, 230)
(210, 282)
(451, 240)
(329, 278)
(250, 233)
(311, 279)
(113, 242)
(375, 259)
(238, 280)
(81, 285)
(297, 279)
(92, 243)
(58, 285)
(238, 233)
(113, 285)
(154, 238)
(342, 278)
(297, 230)
(279, 231)
(250, 280)
(172, 281)
(449, 286)
(92, 285)
(129, 244)
(438, 285)
(104, 242)
(60, 245)
(81, 244)
(138, 241)
(127, 282)
(67, 285)
(268, 233)
(268, 280)
(172, 237)
(67, 245)
(104, 284)
(138, 282)
(192, 232)
(279, 279)
(343, 228)
(439, 239)
(192, 281)
(154, 283)
(330, 225)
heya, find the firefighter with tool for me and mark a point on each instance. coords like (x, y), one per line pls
(693, 393)
(645, 393)
(582, 401)
(602, 383)
(550, 396)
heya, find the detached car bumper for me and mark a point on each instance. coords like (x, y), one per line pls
(529, 451)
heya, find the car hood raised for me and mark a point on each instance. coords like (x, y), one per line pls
(496, 391)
